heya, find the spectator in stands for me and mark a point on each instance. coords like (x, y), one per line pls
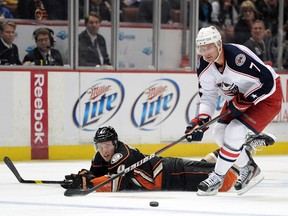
(100, 7)
(4, 11)
(129, 3)
(285, 54)
(270, 11)
(286, 17)
(145, 13)
(42, 9)
(215, 12)
(175, 10)
(44, 53)
(92, 45)
(31, 9)
(229, 10)
(175, 4)
(248, 13)
(274, 48)
(257, 42)
(8, 51)
(129, 10)
(205, 11)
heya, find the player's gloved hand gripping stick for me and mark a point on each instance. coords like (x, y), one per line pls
(81, 192)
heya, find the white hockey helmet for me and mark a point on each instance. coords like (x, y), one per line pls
(208, 35)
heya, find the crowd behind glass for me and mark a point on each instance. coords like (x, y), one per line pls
(257, 24)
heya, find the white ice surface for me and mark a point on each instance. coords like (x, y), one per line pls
(270, 197)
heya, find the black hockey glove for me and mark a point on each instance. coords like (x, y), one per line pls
(193, 134)
(238, 105)
(80, 180)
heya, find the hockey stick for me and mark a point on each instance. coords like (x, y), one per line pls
(80, 192)
(12, 167)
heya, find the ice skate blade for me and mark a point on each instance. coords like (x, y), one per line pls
(251, 184)
(205, 193)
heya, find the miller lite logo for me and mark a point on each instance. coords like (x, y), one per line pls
(155, 104)
(99, 103)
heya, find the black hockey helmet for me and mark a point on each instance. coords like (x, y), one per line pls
(106, 134)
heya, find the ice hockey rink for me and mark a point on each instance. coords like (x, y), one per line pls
(270, 197)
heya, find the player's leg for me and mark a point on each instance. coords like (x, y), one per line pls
(234, 137)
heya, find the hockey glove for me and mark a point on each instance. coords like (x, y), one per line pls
(238, 105)
(193, 134)
(80, 180)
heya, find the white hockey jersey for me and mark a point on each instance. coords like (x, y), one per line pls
(243, 72)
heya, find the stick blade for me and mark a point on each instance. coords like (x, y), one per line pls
(76, 192)
(11, 166)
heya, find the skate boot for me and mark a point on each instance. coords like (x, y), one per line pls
(249, 173)
(211, 185)
(262, 139)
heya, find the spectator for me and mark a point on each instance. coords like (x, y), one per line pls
(248, 13)
(257, 42)
(4, 11)
(215, 11)
(8, 51)
(274, 48)
(129, 3)
(31, 9)
(270, 12)
(205, 11)
(44, 53)
(92, 45)
(229, 12)
(175, 4)
(145, 13)
(100, 7)
(129, 10)
(42, 9)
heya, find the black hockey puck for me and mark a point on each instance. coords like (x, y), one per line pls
(154, 204)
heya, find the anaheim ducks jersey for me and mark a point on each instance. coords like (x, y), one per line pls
(148, 176)
(243, 72)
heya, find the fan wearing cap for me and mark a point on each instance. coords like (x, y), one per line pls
(253, 95)
(158, 173)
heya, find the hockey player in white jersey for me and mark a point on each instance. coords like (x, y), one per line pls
(253, 95)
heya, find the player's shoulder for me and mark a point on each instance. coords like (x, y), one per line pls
(232, 49)
(122, 153)
(237, 55)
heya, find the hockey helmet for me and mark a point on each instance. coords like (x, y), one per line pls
(106, 134)
(208, 35)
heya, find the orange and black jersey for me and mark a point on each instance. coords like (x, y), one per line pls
(148, 176)
(171, 174)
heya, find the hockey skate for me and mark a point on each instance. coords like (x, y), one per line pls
(211, 185)
(263, 139)
(249, 177)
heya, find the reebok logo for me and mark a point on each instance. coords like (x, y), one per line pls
(38, 108)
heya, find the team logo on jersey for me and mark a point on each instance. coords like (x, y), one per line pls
(116, 157)
(228, 89)
(240, 59)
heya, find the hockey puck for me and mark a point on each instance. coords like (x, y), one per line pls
(154, 204)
